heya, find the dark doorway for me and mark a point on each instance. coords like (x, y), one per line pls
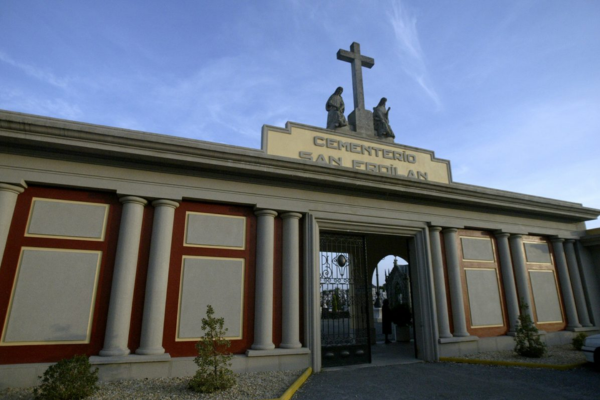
(392, 279)
(345, 300)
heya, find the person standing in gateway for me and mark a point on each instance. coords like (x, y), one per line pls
(386, 320)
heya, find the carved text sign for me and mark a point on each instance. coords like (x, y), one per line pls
(328, 148)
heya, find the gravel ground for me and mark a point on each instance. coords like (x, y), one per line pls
(557, 355)
(267, 385)
(259, 385)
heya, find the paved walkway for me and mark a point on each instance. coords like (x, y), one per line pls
(451, 381)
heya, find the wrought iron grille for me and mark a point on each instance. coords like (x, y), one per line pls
(344, 300)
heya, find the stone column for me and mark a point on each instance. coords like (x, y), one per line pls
(121, 295)
(439, 283)
(573, 265)
(565, 284)
(518, 261)
(508, 279)
(8, 201)
(156, 284)
(454, 279)
(263, 309)
(290, 282)
(590, 280)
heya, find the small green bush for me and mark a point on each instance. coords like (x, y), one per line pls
(578, 341)
(69, 379)
(527, 339)
(213, 359)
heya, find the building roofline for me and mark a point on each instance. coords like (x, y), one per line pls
(57, 137)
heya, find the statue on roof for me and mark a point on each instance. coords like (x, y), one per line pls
(335, 110)
(381, 121)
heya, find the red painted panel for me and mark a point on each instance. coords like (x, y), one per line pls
(187, 348)
(17, 240)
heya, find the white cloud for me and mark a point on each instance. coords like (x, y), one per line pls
(225, 95)
(11, 99)
(408, 46)
(36, 72)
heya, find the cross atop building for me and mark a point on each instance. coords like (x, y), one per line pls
(360, 119)
(358, 61)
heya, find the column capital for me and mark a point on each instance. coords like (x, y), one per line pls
(500, 234)
(435, 229)
(449, 230)
(569, 240)
(557, 240)
(5, 187)
(288, 215)
(165, 203)
(133, 199)
(261, 212)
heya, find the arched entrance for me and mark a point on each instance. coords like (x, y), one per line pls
(392, 329)
(412, 246)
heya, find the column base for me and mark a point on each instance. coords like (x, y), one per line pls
(446, 336)
(131, 358)
(459, 339)
(581, 329)
(461, 334)
(296, 345)
(277, 352)
(574, 328)
(114, 352)
(269, 346)
(150, 352)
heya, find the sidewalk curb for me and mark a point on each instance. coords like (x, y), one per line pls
(287, 395)
(511, 363)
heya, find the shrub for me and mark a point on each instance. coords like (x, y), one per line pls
(527, 339)
(579, 340)
(69, 379)
(213, 359)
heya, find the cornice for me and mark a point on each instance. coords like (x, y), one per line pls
(55, 138)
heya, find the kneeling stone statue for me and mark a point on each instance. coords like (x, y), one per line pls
(335, 110)
(381, 122)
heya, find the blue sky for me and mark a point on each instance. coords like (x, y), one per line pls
(508, 90)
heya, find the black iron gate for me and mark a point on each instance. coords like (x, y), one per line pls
(344, 300)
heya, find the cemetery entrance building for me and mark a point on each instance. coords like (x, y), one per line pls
(113, 242)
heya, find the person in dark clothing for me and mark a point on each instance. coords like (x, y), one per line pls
(386, 320)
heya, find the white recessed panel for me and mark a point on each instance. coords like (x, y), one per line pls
(214, 230)
(537, 253)
(545, 296)
(477, 249)
(484, 297)
(67, 219)
(53, 297)
(215, 281)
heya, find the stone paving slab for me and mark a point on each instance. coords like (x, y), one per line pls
(453, 381)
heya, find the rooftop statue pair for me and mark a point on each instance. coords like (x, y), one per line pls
(335, 115)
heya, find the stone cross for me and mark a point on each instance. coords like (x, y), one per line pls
(358, 61)
(360, 119)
